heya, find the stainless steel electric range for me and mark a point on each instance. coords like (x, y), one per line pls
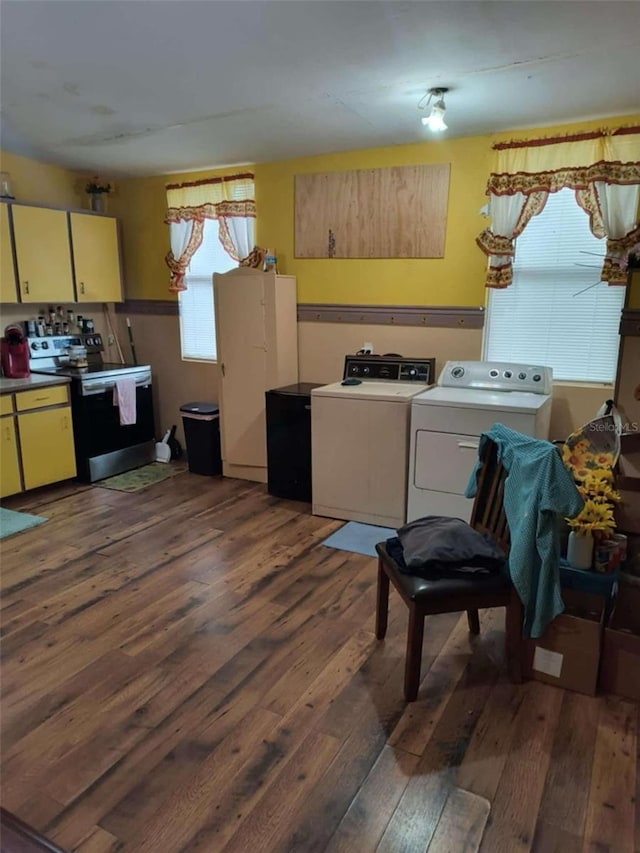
(103, 446)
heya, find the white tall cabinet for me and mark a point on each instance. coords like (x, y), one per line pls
(257, 340)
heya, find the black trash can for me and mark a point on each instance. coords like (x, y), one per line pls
(201, 423)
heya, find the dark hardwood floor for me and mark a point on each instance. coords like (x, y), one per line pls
(187, 668)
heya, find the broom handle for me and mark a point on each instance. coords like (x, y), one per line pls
(130, 333)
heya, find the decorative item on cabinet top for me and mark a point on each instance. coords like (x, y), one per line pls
(97, 189)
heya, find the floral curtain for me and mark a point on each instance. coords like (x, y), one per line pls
(604, 170)
(230, 200)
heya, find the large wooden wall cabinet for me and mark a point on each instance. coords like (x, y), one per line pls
(36, 432)
(96, 258)
(8, 287)
(257, 340)
(43, 254)
(61, 256)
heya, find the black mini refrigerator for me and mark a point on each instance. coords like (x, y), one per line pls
(288, 413)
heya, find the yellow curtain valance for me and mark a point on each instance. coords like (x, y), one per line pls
(211, 191)
(574, 162)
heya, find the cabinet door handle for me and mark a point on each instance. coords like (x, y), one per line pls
(222, 368)
(41, 399)
(65, 422)
(26, 287)
(467, 445)
(82, 287)
(7, 431)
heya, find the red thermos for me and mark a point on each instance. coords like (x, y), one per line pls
(14, 349)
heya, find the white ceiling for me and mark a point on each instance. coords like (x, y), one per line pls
(132, 87)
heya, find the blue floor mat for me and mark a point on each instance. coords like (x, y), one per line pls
(359, 538)
(15, 522)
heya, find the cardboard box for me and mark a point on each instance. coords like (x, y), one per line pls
(568, 653)
(620, 666)
(628, 484)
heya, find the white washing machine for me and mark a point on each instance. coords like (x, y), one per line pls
(360, 439)
(448, 420)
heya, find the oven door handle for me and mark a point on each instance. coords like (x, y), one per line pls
(99, 386)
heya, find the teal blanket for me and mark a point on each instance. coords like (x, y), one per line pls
(537, 490)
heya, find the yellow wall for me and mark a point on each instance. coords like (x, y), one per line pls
(456, 279)
(41, 183)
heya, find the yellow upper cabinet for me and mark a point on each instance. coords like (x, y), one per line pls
(43, 254)
(8, 290)
(96, 258)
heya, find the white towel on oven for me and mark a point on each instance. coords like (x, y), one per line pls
(124, 396)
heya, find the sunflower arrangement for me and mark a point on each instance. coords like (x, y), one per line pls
(596, 488)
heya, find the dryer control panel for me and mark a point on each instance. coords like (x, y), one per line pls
(497, 376)
(391, 368)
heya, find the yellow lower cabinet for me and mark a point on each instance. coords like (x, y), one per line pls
(46, 441)
(9, 464)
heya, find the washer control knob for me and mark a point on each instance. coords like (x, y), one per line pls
(355, 369)
(457, 372)
(366, 370)
(413, 371)
(508, 374)
(522, 376)
(35, 345)
(45, 345)
(537, 377)
(493, 373)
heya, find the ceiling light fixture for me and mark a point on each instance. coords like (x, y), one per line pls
(435, 120)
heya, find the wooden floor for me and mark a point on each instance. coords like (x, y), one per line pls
(186, 668)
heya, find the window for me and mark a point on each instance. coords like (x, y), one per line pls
(556, 313)
(196, 306)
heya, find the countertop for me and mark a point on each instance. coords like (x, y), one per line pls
(36, 380)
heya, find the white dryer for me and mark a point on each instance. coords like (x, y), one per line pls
(448, 420)
(360, 439)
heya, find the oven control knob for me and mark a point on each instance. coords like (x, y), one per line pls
(355, 369)
(522, 376)
(508, 374)
(457, 372)
(493, 373)
(537, 377)
(97, 341)
(35, 345)
(366, 371)
(45, 345)
(89, 342)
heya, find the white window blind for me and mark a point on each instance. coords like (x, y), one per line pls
(197, 317)
(551, 314)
